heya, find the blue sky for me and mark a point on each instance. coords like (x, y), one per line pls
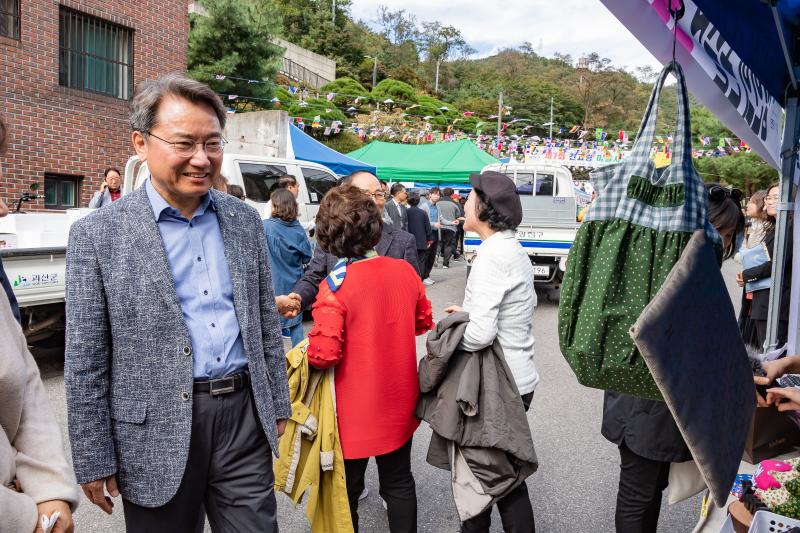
(568, 26)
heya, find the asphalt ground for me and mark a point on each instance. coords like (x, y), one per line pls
(574, 489)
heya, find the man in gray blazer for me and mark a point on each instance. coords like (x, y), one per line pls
(395, 208)
(175, 373)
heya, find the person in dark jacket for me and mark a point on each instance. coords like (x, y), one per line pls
(648, 438)
(289, 252)
(3, 212)
(396, 208)
(419, 225)
(394, 243)
(759, 307)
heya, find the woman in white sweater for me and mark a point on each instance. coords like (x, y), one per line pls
(35, 478)
(500, 301)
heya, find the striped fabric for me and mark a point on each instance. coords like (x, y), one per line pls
(339, 270)
(615, 183)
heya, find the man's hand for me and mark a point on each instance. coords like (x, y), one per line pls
(281, 427)
(94, 491)
(103, 186)
(288, 306)
(739, 279)
(453, 309)
(773, 369)
(784, 399)
(64, 523)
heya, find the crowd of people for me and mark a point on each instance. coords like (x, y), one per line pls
(175, 369)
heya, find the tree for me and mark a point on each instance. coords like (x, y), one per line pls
(745, 171)
(397, 26)
(234, 38)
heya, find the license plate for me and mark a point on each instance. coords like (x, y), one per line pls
(541, 271)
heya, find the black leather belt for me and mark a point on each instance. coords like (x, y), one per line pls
(225, 385)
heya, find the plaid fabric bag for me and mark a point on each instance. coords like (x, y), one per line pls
(631, 237)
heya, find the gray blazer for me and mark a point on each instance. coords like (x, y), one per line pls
(397, 214)
(128, 365)
(99, 199)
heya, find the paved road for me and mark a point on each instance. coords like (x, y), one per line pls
(574, 489)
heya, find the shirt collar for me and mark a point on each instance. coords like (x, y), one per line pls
(160, 205)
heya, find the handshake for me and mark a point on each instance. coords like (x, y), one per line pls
(288, 306)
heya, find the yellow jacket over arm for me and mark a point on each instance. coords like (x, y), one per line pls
(310, 451)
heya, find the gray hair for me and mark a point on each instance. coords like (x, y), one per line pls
(150, 93)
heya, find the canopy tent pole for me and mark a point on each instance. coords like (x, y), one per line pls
(791, 134)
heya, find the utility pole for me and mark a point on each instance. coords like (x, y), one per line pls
(436, 85)
(551, 117)
(499, 118)
(375, 71)
(333, 12)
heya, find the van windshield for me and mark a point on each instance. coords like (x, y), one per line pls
(260, 180)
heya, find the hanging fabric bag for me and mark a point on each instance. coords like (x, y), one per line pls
(631, 237)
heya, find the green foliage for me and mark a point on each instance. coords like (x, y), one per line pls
(451, 112)
(746, 171)
(704, 123)
(234, 38)
(401, 93)
(344, 142)
(347, 90)
(316, 107)
(284, 96)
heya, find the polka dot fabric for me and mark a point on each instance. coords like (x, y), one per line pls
(633, 235)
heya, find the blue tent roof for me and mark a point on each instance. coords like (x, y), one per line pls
(306, 148)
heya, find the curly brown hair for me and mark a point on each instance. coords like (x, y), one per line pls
(348, 222)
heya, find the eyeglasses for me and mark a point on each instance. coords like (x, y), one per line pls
(377, 196)
(189, 148)
(718, 194)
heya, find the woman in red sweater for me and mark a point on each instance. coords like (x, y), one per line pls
(367, 313)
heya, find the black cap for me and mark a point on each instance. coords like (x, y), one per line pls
(501, 193)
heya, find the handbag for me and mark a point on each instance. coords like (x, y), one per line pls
(631, 237)
(771, 434)
(752, 257)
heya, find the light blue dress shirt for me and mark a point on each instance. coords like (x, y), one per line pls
(196, 256)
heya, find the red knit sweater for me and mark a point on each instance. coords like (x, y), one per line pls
(367, 328)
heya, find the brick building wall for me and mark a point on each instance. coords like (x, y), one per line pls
(65, 131)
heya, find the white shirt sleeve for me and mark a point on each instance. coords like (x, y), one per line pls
(485, 294)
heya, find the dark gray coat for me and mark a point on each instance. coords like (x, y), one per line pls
(470, 398)
(128, 368)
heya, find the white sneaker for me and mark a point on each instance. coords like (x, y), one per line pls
(445, 266)
(364, 494)
(428, 281)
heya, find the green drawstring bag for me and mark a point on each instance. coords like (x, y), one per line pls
(631, 237)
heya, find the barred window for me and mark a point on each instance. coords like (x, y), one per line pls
(9, 18)
(94, 55)
(61, 191)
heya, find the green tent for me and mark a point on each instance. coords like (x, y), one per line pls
(448, 162)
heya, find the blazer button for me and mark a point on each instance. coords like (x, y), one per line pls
(187, 350)
(185, 396)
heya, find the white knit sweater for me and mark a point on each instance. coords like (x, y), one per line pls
(500, 301)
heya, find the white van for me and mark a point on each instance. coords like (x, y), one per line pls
(257, 175)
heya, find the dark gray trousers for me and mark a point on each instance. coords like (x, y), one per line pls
(228, 474)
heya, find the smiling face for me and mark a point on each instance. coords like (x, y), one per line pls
(771, 201)
(181, 180)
